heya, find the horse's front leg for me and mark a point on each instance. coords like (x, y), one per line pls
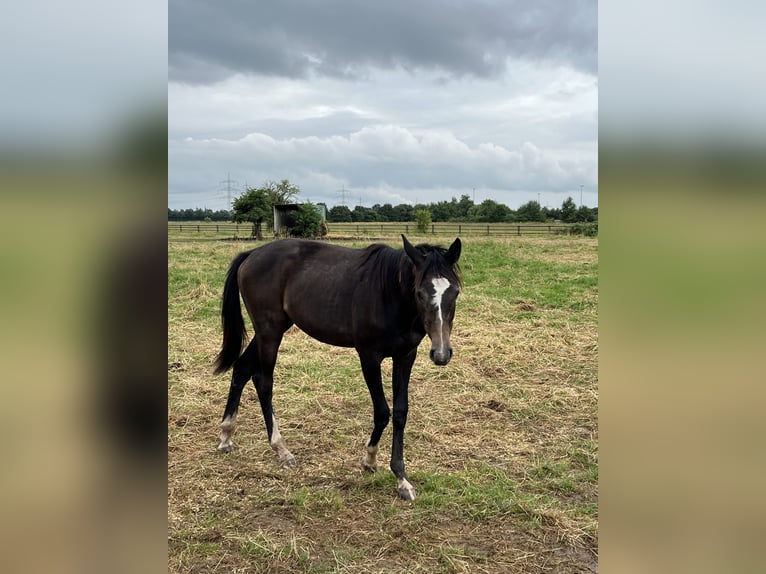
(381, 413)
(401, 380)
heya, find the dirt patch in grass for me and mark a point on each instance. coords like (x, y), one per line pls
(502, 444)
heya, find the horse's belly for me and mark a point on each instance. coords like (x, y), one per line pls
(326, 334)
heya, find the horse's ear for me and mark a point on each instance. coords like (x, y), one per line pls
(453, 254)
(412, 252)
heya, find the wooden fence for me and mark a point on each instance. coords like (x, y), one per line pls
(446, 228)
(376, 229)
(238, 229)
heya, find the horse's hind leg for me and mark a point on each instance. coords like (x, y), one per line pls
(268, 346)
(244, 368)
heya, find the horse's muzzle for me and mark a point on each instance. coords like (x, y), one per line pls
(441, 358)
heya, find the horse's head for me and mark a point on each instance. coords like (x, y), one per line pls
(437, 285)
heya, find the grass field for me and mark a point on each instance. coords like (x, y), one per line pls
(502, 444)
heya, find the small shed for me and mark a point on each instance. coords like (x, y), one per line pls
(283, 220)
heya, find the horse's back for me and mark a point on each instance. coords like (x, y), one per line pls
(310, 282)
(293, 257)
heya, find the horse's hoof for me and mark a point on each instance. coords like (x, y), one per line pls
(288, 462)
(225, 447)
(408, 494)
(406, 490)
(367, 467)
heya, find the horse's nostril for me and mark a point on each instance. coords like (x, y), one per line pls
(431, 354)
(450, 352)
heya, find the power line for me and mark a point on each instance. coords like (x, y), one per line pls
(342, 192)
(228, 181)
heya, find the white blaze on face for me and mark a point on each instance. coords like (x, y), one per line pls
(440, 286)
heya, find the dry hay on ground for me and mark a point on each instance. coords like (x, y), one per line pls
(499, 444)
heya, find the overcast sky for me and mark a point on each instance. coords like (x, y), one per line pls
(393, 102)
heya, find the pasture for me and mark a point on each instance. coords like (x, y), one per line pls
(501, 444)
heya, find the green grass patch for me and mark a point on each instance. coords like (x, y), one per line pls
(497, 270)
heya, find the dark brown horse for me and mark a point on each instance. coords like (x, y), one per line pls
(378, 300)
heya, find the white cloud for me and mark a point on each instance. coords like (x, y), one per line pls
(385, 162)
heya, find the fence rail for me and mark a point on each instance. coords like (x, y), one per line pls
(239, 229)
(446, 228)
(376, 228)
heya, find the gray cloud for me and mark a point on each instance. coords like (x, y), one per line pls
(209, 41)
(394, 102)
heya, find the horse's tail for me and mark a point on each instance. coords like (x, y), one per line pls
(231, 319)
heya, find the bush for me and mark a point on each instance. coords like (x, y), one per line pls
(586, 229)
(306, 222)
(423, 220)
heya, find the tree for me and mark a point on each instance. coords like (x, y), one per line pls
(362, 213)
(256, 205)
(444, 210)
(403, 212)
(584, 214)
(462, 207)
(568, 210)
(551, 213)
(339, 213)
(282, 192)
(220, 215)
(385, 212)
(530, 211)
(489, 211)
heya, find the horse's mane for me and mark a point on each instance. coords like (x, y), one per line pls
(394, 270)
(388, 267)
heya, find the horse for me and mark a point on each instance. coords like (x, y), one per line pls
(378, 300)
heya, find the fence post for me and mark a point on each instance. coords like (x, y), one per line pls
(459, 229)
(198, 228)
(487, 229)
(433, 229)
(407, 228)
(518, 230)
(180, 227)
